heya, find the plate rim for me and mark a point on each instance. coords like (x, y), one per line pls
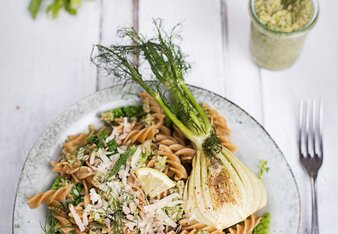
(83, 99)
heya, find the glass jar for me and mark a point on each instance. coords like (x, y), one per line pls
(276, 50)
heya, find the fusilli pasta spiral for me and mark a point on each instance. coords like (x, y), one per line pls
(174, 162)
(73, 142)
(139, 136)
(50, 197)
(245, 227)
(192, 226)
(183, 152)
(76, 170)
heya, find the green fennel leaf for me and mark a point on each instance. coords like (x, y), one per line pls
(50, 224)
(34, 7)
(99, 139)
(121, 161)
(167, 64)
(112, 146)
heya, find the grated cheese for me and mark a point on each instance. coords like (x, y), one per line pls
(166, 218)
(114, 134)
(136, 157)
(127, 126)
(92, 157)
(94, 197)
(102, 154)
(76, 217)
(85, 218)
(167, 201)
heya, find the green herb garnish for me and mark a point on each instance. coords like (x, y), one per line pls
(50, 224)
(125, 111)
(99, 138)
(54, 8)
(263, 168)
(263, 226)
(117, 216)
(121, 161)
(76, 194)
(112, 146)
(58, 183)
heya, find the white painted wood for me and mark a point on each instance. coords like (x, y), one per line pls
(201, 33)
(44, 68)
(243, 77)
(313, 76)
(115, 14)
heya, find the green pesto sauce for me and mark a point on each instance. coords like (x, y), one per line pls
(276, 42)
(284, 15)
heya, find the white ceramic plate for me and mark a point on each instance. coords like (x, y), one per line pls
(253, 142)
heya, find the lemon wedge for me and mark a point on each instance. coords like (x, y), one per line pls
(153, 182)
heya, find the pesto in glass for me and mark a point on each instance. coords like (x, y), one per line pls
(279, 29)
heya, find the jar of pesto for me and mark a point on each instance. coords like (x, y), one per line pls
(279, 29)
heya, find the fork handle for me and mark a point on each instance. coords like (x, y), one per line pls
(314, 222)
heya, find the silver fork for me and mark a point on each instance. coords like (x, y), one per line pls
(311, 148)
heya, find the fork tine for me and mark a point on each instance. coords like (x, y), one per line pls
(314, 125)
(308, 128)
(301, 128)
(320, 128)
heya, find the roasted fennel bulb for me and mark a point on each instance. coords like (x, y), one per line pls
(221, 190)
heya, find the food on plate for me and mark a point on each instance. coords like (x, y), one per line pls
(165, 167)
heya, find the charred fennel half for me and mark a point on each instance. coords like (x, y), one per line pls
(221, 190)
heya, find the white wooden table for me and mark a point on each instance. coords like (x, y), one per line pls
(45, 68)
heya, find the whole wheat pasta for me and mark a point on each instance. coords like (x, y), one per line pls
(73, 142)
(245, 227)
(139, 136)
(192, 226)
(174, 163)
(164, 137)
(76, 170)
(87, 199)
(50, 197)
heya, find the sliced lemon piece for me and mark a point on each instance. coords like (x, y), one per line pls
(153, 182)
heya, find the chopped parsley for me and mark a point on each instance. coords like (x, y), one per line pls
(125, 111)
(76, 194)
(263, 226)
(263, 168)
(99, 138)
(57, 183)
(112, 146)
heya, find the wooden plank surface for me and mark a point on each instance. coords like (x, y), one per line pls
(243, 77)
(313, 76)
(201, 32)
(47, 61)
(45, 68)
(115, 14)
